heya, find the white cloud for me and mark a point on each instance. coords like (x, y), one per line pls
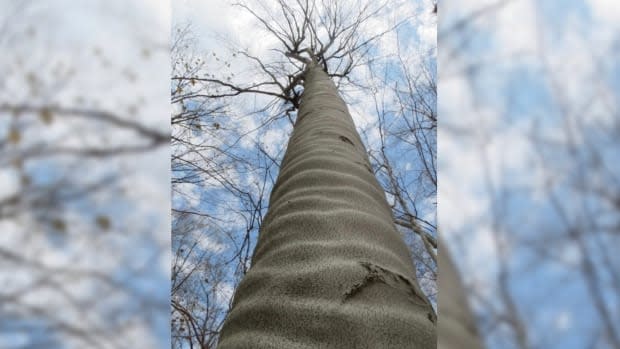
(189, 192)
(563, 320)
(74, 38)
(208, 244)
(274, 141)
(427, 25)
(9, 183)
(515, 24)
(605, 12)
(225, 292)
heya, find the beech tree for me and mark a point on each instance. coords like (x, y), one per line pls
(458, 327)
(335, 232)
(330, 267)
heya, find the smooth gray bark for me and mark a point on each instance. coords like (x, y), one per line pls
(330, 270)
(457, 326)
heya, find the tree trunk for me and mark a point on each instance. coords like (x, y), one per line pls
(457, 326)
(330, 270)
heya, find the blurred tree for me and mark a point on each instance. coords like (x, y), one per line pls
(536, 118)
(80, 249)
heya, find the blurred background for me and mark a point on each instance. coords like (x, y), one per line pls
(84, 174)
(529, 167)
(529, 177)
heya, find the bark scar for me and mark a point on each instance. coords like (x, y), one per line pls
(376, 273)
(346, 140)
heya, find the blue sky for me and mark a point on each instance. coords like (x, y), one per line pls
(523, 54)
(542, 68)
(100, 55)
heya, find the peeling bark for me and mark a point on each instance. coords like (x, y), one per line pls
(376, 273)
(330, 270)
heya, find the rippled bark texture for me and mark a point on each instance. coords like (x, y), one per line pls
(330, 270)
(457, 326)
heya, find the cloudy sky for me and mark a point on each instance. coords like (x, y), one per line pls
(85, 247)
(220, 29)
(525, 66)
(526, 69)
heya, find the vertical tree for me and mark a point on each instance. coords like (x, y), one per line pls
(330, 268)
(328, 248)
(339, 215)
(457, 326)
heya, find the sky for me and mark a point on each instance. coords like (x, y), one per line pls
(94, 261)
(217, 25)
(525, 66)
(530, 69)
